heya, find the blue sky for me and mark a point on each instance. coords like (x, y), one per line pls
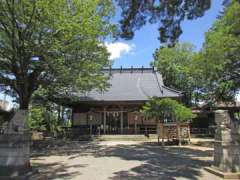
(138, 51)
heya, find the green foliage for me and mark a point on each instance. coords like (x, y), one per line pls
(175, 65)
(183, 113)
(213, 74)
(55, 44)
(48, 117)
(167, 109)
(219, 60)
(36, 119)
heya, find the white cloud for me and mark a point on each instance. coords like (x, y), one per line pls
(119, 49)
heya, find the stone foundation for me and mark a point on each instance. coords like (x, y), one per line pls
(14, 154)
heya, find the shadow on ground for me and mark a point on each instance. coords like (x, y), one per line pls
(54, 171)
(158, 162)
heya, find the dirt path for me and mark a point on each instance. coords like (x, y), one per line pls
(119, 160)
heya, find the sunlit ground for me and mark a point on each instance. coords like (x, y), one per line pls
(121, 160)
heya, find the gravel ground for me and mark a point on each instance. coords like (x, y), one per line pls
(117, 160)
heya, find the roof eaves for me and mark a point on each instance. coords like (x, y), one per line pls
(174, 90)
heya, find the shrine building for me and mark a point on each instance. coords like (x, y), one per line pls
(117, 110)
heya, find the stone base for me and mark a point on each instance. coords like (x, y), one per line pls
(24, 176)
(227, 156)
(14, 154)
(12, 171)
(224, 175)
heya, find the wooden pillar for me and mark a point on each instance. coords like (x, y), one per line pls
(72, 115)
(135, 127)
(159, 131)
(90, 119)
(162, 132)
(179, 134)
(189, 134)
(135, 123)
(104, 120)
(90, 128)
(121, 120)
(128, 119)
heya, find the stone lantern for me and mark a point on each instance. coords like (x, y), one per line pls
(15, 147)
(226, 162)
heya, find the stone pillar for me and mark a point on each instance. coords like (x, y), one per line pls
(14, 154)
(15, 147)
(227, 143)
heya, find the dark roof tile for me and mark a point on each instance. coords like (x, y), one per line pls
(131, 85)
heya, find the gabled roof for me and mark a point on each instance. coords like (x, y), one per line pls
(130, 84)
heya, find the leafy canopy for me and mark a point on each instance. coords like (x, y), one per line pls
(219, 60)
(57, 45)
(167, 109)
(48, 117)
(213, 74)
(175, 64)
(36, 119)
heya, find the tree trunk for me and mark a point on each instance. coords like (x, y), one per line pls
(25, 86)
(24, 105)
(24, 97)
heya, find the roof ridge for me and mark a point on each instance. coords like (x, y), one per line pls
(159, 85)
(130, 69)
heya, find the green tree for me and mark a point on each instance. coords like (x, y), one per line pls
(36, 120)
(219, 60)
(45, 116)
(183, 114)
(176, 66)
(56, 45)
(167, 109)
(213, 74)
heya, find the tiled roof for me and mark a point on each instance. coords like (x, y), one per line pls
(131, 84)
